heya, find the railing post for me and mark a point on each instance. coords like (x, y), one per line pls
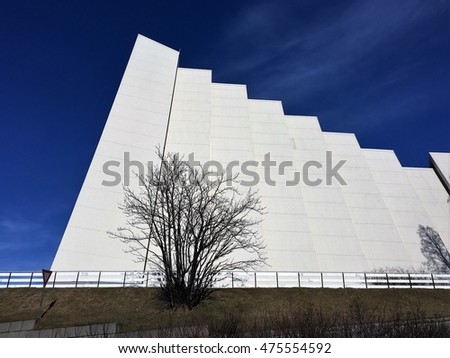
(146, 282)
(256, 283)
(365, 280)
(387, 280)
(99, 278)
(232, 279)
(343, 279)
(76, 280)
(54, 280)
(9, 280)
(31, 279)
(299, 284)
(410, 282)
(432, 280)
(321, 278)
(124, 278)
(276, 273)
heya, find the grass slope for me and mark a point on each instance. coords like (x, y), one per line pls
(140, 308)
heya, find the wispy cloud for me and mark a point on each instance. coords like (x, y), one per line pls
(18, 234)
(267, 32)
(14, 226)
(29, 236)
(339, 48)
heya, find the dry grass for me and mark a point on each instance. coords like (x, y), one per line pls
(136, 309)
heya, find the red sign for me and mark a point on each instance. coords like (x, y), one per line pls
(46, 276)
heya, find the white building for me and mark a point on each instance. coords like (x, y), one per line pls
(369, 223)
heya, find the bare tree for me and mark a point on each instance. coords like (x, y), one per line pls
(434, 250)
(191, 225)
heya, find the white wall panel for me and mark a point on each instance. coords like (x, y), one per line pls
(285, 228)
(401, 199)
(190, 123)
(85, 244)
(433, 197)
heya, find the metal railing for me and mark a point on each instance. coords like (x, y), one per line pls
(65, 279)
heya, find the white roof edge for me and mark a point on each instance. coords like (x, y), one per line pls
(148, 39)
(301, 115)
(194, 69)
(340, 133)
(377, 150)
(229, 84)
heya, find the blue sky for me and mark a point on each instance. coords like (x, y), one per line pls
(380, 69)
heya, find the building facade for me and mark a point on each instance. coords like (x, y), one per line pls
(368, 222)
